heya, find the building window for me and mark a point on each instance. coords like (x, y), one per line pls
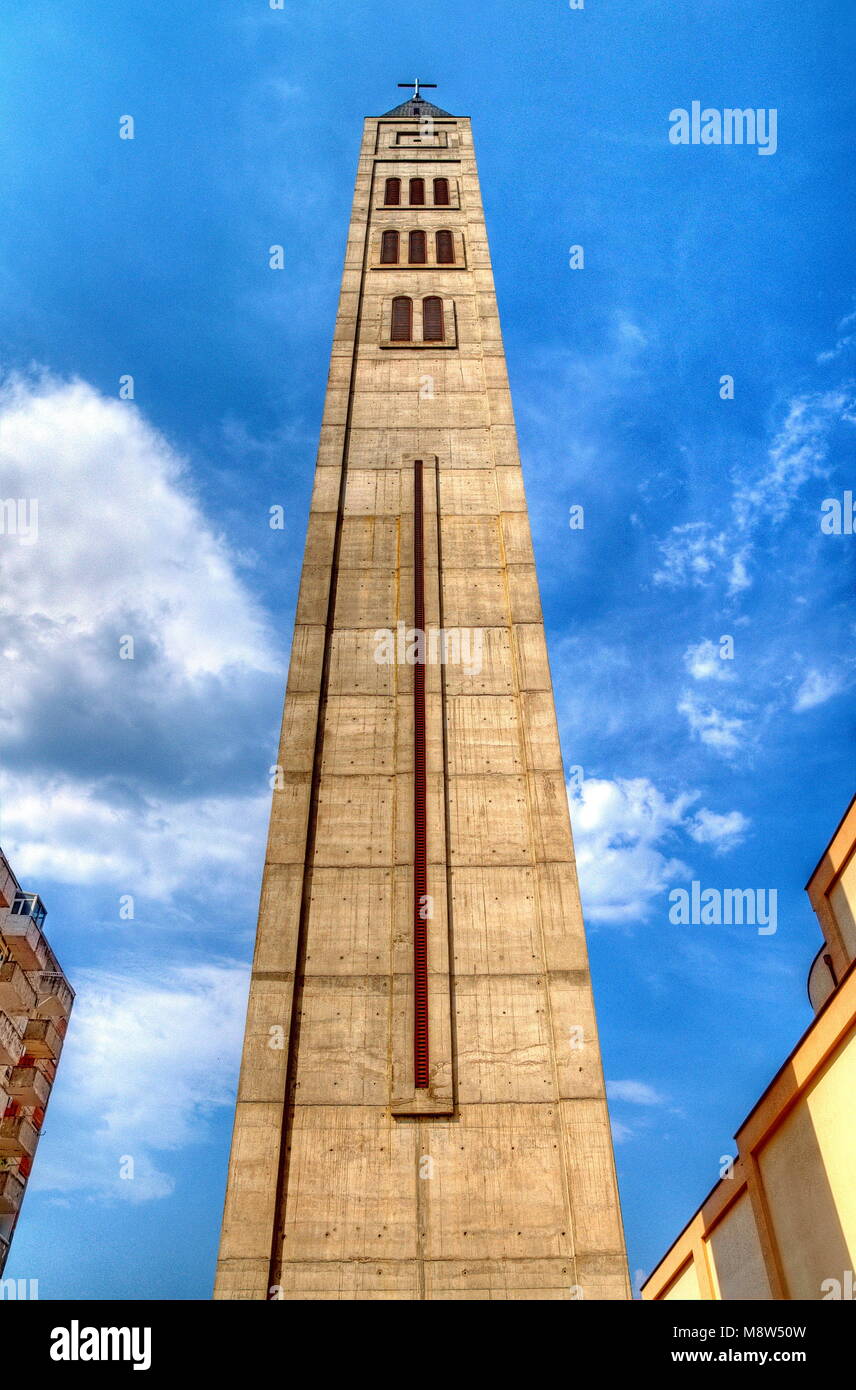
(445, 248)
(402, 320)
(417, 252)
(432, 320)
(29, 905)
(441, 193)
(417, 193)
(392, 196)
(389, 248)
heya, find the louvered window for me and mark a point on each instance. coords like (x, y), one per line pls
(417, 192)
(445, 248)
(389, 248)
(402, 319)
(393, 192)
(418, 248)
(441, 193)
(432, 320)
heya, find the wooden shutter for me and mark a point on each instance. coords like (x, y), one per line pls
(417, 192)
(389, 249)
(418, 249)
(445, 248)
(393, 192)
(441, 193)
(432, 320)
(402, 319)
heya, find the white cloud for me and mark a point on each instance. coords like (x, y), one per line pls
(704, 662)
(690, 554)
(845, 340)
(146, 770)
(123, 545)
(630, 336)
(798, 452)
(620, 1133)
(841, 346)
(723, 833)
(67, 831)
(625, 833)
(146, 777)
(739, 578)
(816, 688)
(716, 730)
(146, 1063)
(619, 828)
(637, 1093)
(634, 1092)
(696, 553)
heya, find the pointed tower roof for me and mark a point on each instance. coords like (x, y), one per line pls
(416, 107)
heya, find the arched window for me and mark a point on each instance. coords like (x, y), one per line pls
(441, 193)
(432, 319)
(402, 319)
(445, 248)
(389, 248)
(392, 196)
(417, 193)
(417, 252)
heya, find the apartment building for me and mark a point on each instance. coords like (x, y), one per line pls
(35, 1003)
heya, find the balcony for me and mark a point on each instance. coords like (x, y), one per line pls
(42, 1038)
(17, 1137)
(28, 1086)
(29, 905)
(11, 1042)
(22, 930)
(11, 1192)
(17, 995)
(55, 996)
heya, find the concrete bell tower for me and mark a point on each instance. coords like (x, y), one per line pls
(421, 1111)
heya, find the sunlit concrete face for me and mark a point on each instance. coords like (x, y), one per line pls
(495, 1179)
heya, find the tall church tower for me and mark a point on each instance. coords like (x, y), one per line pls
(421, 1110)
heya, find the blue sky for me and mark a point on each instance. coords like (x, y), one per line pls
(149, 777)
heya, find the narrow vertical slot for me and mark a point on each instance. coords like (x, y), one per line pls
(420, 829)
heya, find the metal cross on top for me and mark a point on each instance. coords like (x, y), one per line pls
(416, 85)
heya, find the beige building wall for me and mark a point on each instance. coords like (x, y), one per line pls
(736, 1256)
(783, 1224)
(832, 893)
(685, 1285)
(842, 901)
(808, 1175)
(346, 1180)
